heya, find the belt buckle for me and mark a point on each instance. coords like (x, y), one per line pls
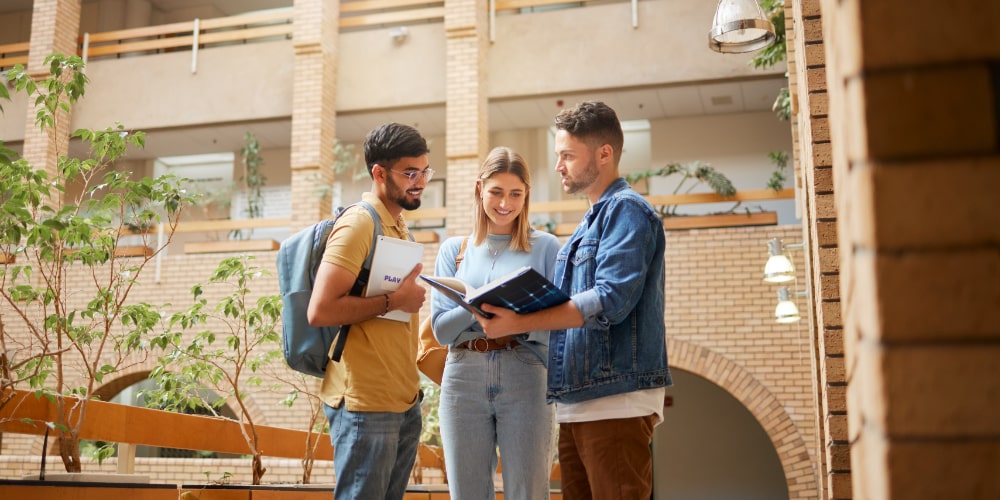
(474, 344)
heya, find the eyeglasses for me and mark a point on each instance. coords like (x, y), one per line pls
(413, 176)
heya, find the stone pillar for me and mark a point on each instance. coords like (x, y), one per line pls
(814, 176)
(915, 134)
(54, 28)
(314, 104)
(467, 121)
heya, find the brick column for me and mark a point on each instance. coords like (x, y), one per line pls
(314, 112)
(54, 28)
(467, 123)
(814, 174)
(916, 150)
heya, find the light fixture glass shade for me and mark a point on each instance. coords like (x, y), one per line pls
(740, 26)
(786, 310)
(779, 267)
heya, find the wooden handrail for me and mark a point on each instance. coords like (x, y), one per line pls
(130, 424)
(158, 30)
(522, 4)
(277, 16)
(14, 47)
(368, 5)
(559, 206)
(401, 16)
(118, 423)
(13, 53)
(579, 205)
(204, 226)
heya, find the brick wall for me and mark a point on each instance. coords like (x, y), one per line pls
(314, 106)
(720, 325)
(915, 134)
(467, 111)
(814, 175)
(54, 25)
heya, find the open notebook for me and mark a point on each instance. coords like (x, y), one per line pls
(524, 290)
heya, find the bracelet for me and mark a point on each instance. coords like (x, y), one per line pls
(386, 305)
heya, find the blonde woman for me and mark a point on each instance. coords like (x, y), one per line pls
(493, 390)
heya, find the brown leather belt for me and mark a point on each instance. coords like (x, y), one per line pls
(483, 344)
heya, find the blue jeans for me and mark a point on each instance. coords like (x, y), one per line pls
(489, 400)
(373, 452)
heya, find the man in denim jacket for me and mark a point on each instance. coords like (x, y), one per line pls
(607, 348)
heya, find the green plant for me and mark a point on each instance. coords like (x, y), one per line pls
(346, 160)
(775, 53)
(253, 180)
(691, 175)
(778, 177)
(298, 385)
(237, 337)
(65, 322)
(430, 433)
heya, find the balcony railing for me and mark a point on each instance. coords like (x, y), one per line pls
(427, 236)
(13, 53)
(260, 26)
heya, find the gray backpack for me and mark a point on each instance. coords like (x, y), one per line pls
(306, 347)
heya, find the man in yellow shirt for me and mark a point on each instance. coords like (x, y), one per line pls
(372, 396)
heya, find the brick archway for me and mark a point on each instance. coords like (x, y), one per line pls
(761, 403)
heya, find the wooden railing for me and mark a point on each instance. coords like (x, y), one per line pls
(426, 236)
(13, 53)
(130, 426)
(258, 26)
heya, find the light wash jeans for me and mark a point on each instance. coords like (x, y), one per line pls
(373, 452)
(496, 399)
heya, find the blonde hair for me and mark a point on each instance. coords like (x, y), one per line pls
(503, 160)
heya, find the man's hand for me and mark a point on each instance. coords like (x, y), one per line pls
(507, 322)
(410, 296)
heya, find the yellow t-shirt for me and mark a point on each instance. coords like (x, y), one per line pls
(378, 370)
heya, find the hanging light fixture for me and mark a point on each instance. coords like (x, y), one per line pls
(786, 311)
(779, 267)
(739, 26)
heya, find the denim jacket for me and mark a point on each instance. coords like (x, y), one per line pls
(612, 268)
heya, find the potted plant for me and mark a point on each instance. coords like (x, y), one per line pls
(695, 174)
(253, 180)
(65, 321)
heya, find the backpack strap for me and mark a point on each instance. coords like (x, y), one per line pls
(362, 280)
(461, 253)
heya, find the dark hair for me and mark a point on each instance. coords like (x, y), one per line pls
(503, 160)
(390, 142)
(594, 123)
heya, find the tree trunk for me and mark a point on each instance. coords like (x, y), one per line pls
(258, 468)
(69, 450)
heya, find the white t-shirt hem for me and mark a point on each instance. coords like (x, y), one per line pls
(626, 405)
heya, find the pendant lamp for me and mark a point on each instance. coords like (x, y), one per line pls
(739, 26)
(786, 310)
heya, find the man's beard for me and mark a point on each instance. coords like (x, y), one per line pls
(398, 196)
(586, 178)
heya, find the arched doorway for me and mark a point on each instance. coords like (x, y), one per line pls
(711, 447)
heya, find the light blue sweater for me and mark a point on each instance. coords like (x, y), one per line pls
(453, 324)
